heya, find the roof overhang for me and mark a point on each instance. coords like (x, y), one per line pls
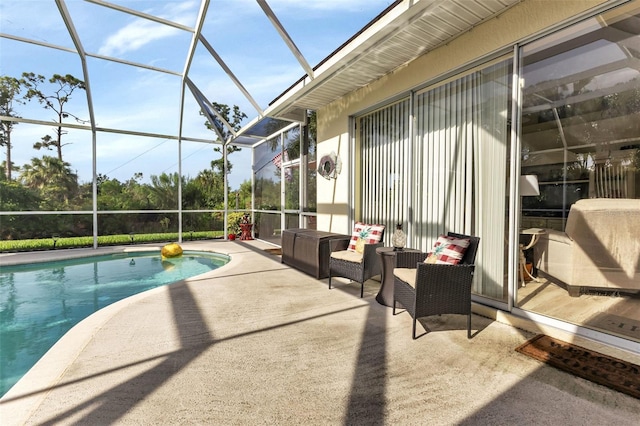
(403, 32)
(263, 127)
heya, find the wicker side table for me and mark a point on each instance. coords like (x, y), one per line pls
(389, 259)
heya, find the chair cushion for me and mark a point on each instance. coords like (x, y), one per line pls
(348, 255)
(368, 234)
(408, 275)
(448, 250)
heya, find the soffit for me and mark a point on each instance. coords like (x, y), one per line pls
(409, 30)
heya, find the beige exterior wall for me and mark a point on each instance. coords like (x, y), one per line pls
(518, 23)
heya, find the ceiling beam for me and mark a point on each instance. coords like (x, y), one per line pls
(285, 36)
(62, 7)
(207, 108)
(231, 75)
(88, 54)
(141, 15)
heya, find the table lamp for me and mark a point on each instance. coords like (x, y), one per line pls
(529, 186)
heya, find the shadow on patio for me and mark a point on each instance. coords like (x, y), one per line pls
(256, 342)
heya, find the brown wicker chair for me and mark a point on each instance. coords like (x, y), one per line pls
(359, 271)
(439, 289)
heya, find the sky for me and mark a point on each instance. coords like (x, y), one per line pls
(136, 99)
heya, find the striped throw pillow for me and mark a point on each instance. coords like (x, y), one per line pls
(448, 250)
(369, 234)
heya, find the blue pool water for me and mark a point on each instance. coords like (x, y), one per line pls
(40, 302)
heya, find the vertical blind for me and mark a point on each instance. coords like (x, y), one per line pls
(457, 176)
(384, 143)
(462, 128)
(445, 129)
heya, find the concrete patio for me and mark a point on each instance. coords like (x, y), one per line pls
(256, 342)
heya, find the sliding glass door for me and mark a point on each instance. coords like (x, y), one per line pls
(451, 175)
(384, 181)
(581, 140)
(461, 148)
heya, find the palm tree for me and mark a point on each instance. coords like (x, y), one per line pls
(53, 177)
(211, 184)
(164, 191)
(34, 175)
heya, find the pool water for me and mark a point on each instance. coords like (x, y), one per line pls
(40, 302)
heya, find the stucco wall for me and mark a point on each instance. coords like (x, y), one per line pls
(518, 23)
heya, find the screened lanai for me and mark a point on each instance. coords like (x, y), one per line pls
(125, 112)
(558, 92)
(124, 149)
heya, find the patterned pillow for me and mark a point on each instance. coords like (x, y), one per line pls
(448, 250)
(366, 234)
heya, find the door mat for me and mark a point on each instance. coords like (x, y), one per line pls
(274, 251)
(611, 372)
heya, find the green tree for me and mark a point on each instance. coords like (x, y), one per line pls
(164, 191)
(199, 193)
(53, 177)
(244, 195)
(111, 194)
(211, 184)
(64, 88)
(10, 88)
(234, 116)
(16, 197)
(128, 195)
(138, 194)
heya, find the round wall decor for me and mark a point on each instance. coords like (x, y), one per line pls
(329, 166)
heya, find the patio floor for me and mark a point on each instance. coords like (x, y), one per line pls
(256, 342)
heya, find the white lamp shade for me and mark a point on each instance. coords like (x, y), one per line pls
(529, 186)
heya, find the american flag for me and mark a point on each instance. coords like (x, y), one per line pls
(277, 160)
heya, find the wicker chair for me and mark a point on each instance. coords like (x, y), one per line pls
(355, 266)
(434, 289)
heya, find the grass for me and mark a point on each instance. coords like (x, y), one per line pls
(105, 240)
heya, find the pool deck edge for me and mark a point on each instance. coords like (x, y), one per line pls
(23, 398)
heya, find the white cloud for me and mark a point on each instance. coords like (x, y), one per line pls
(134, 36)
(183, 12)
(141, 32)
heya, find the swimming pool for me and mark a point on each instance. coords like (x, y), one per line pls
(40, 302)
